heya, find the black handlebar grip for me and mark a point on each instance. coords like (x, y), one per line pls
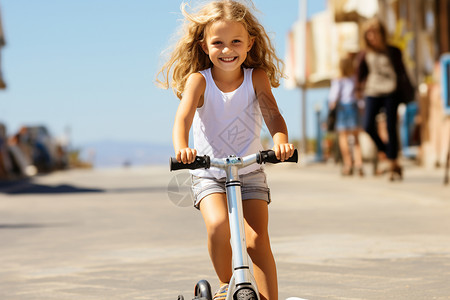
(268, 156)
(200, 162)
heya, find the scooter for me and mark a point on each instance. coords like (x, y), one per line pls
(242, 285)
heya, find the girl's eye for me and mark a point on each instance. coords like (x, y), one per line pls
(217, 43)
(236, 41)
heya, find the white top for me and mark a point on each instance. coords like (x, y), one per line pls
(227, 124)
(382, 79)
(342, 89)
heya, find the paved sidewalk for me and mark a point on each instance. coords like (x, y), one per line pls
(116, 234)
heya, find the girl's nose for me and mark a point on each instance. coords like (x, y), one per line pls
(226, 50)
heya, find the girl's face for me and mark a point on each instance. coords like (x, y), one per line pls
(227, 44)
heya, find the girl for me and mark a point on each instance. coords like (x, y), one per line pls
(222, 69)
(342, 94)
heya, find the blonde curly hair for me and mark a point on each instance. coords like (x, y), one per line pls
(188, 57)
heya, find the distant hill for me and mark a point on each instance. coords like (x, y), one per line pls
(124, 153)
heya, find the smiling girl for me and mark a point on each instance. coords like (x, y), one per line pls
(222, 69)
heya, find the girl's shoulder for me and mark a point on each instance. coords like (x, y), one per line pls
(348, 79)
(196, 80)
(195, 87)
(259, 75)
(344, 80)
(260, 79)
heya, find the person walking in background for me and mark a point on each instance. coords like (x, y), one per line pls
(6, 167)
(379, 71)
(342, 96)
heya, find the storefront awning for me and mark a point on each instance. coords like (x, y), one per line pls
(352, 10)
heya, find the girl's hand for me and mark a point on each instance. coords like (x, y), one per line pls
(283, 151)
(186, 155)
(331, 105)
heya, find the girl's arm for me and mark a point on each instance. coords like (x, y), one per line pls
(193, 92)
(333, 94)
(272, 116)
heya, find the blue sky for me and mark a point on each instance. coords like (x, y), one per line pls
(88, 66)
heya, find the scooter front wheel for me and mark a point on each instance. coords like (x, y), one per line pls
(245, 294)
(203, 290)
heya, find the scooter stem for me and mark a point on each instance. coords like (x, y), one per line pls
(241, 266)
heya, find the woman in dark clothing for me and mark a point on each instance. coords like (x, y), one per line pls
(380, 74)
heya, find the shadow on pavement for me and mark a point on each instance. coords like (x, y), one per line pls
(26, 186)
(30, 225)
(157, 189)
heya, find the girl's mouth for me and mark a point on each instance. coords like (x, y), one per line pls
(228, 59)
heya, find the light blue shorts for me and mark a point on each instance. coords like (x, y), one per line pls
(253, 186)
(347, 117)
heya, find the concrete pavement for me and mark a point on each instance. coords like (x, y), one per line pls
(116, 234)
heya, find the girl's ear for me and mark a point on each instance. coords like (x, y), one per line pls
(250, 43)
(205, 48)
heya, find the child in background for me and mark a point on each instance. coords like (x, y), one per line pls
(222, 69)
(342, 94)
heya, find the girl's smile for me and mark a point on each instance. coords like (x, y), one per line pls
(228, 59)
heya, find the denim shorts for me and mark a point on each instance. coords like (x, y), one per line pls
(253, 186)
(347, 117)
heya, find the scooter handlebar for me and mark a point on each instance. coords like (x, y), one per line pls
(268, 156)
(200, 162)
(204, 162)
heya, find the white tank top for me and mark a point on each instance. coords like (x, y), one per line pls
(227, 124)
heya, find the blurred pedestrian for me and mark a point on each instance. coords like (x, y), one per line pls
(6, 167)
(439, 125)
(342, 96)
(380, 78)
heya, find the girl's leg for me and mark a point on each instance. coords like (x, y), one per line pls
(258, 245)
(215, 213)
(345, 151)
(357, 150)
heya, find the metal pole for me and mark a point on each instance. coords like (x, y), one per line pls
(319, 157)
(303, 6)
(447, 166)
(304, 138)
